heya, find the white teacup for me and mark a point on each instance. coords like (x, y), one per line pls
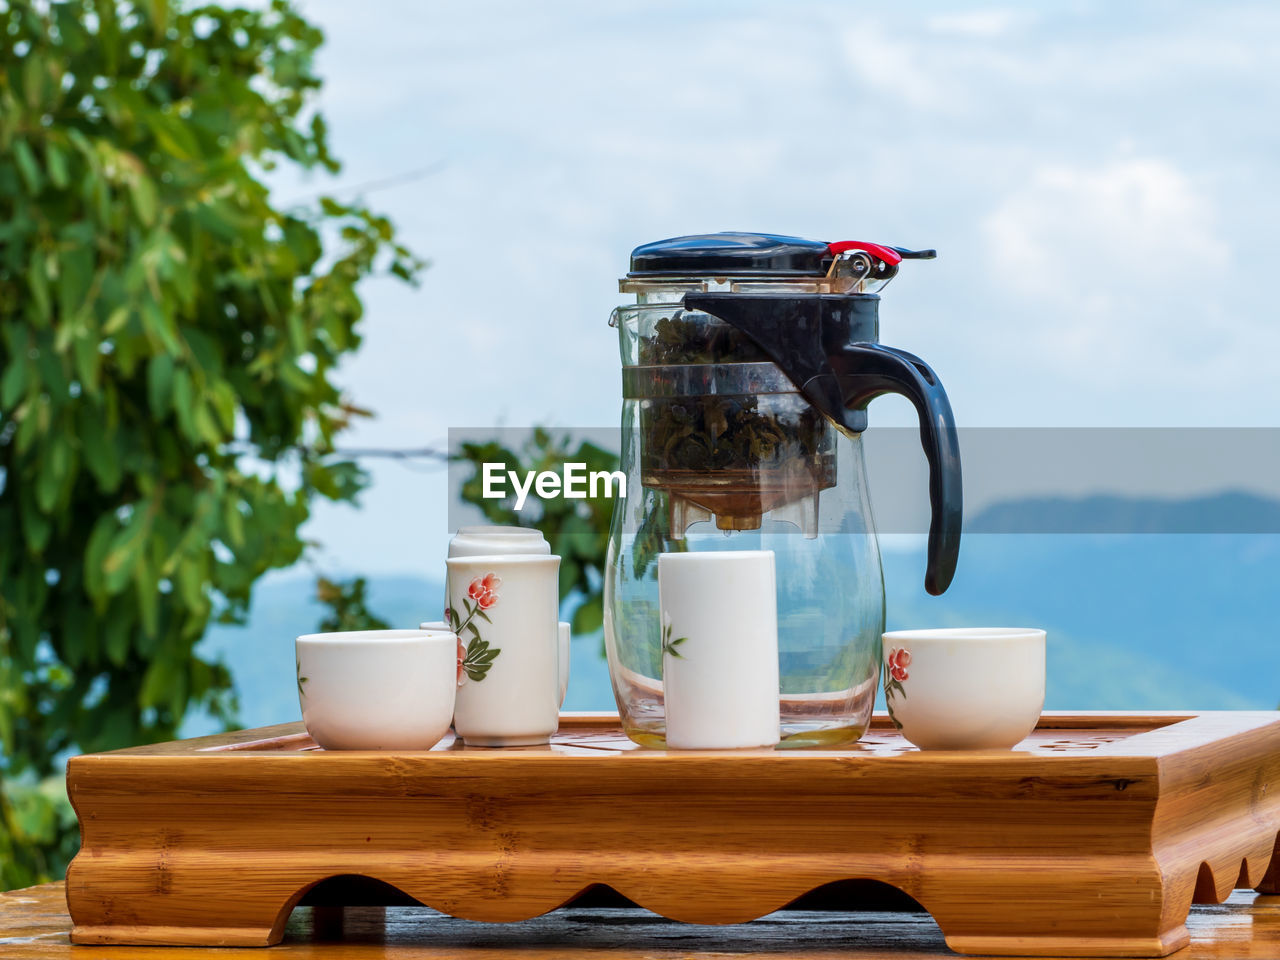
(563, 651)
(377, 689)
(965, 688)
(504, 610)
(719, 622)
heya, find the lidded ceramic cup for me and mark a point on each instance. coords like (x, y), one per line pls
(503, 609)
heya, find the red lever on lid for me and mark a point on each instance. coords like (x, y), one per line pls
(887, 254)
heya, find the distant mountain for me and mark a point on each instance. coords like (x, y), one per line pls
(1226, 512)
(1169, 621)
(1135, 621)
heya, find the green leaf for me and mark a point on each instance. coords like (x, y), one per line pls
(57, 460)
(88, 361)
(155, 683)
(118, 640)
(184, 404)
(143, 193)
(28, 169)
(95, 555)
(126, 549)
(205, 426)
(36, 527)
(97, 444)
(233, 522)
(159, 326)
(190, 580)
(56, 163)
(160, 387)
(223, 399)
(589, 617)
(147, 590)
(13, 382)
(116, 321)
(38, 284)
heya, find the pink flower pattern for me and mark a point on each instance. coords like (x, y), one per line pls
(475, 657)
(899, 660)
(896, 662)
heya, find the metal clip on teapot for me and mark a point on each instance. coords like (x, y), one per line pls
(748, 363)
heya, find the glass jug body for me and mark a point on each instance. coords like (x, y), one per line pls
(722, 452)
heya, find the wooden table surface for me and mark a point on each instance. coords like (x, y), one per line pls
(34, 924)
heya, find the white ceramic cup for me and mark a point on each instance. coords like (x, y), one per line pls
(965, 688)
(719, 622)
(504, 610)
(563, 651)
(377, 689)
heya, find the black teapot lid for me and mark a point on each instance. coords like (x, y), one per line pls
(733, 254)
(730, 255)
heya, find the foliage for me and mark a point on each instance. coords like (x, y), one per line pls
(38, 835)
(348, 608)
(167, 337)
(578, 530)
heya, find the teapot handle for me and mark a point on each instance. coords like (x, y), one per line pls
(868, 370)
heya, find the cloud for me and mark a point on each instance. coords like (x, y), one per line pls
(1111, 257)
(1140, 218)
(899, 69)
(986, 24)
(1098, 180)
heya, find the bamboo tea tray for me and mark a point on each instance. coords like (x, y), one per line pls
(1092, 839)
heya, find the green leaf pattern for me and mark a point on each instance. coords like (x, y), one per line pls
(669, 645)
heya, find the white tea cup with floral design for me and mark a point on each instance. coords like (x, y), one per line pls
(965, 688)
(377, 689)
(505, 612)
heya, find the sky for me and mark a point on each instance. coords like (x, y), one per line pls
(1099, 180)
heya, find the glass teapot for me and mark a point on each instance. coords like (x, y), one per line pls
(748, 363)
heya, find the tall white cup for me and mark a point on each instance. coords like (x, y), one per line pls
(504, 609)
(720, 648)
